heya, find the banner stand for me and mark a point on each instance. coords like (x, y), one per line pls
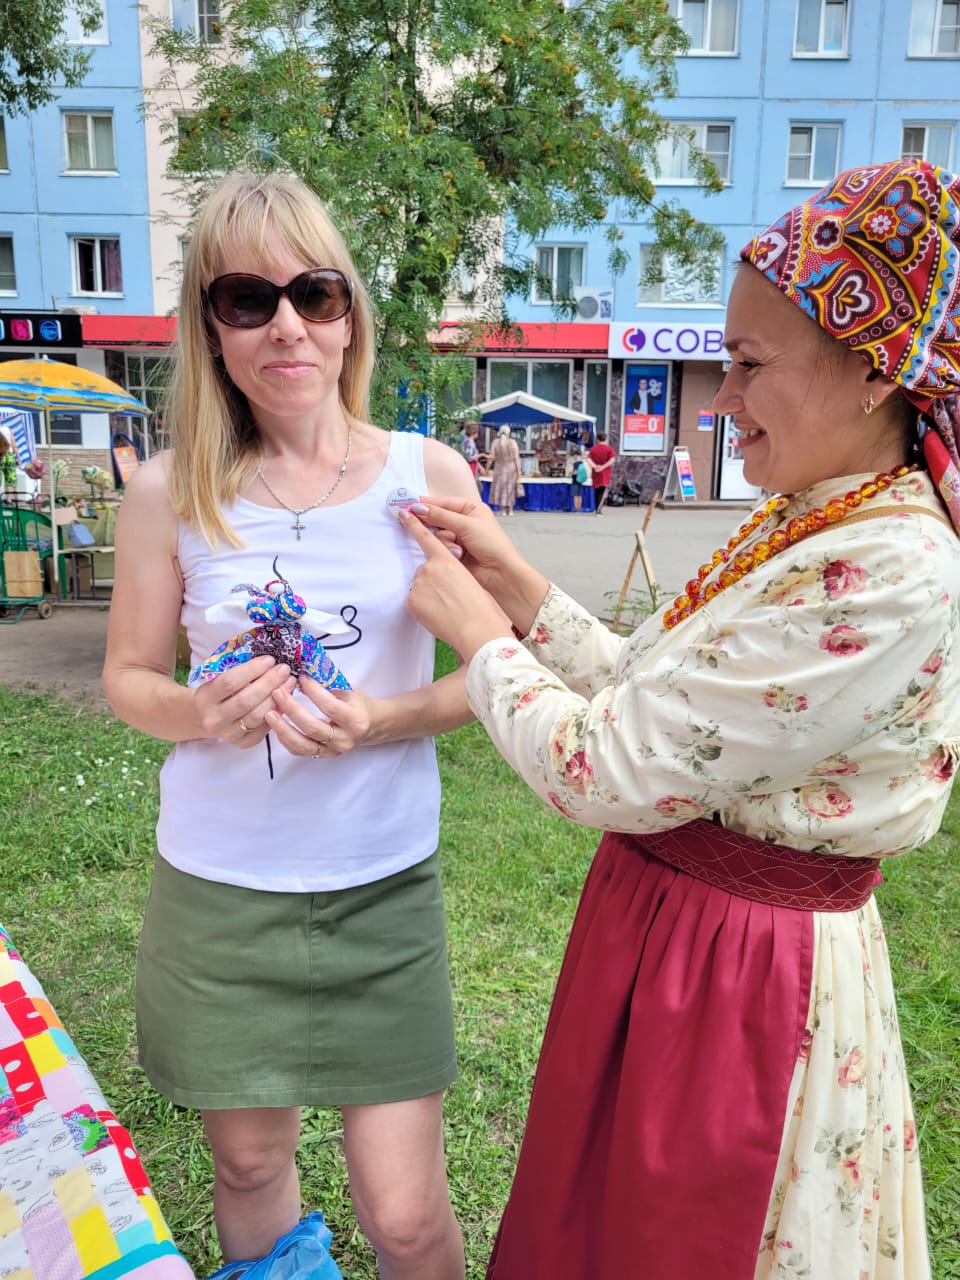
(680, 476)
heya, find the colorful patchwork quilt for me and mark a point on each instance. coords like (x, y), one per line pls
(75, 1203)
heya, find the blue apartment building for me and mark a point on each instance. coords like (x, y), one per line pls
(783, 95)
(74, 216)
(83, 278)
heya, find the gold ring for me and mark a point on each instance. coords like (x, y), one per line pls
(243, 726)
(326, 742)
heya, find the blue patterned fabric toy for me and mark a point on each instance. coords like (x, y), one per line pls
(279, 627)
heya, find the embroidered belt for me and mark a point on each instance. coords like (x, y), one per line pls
(751, 868)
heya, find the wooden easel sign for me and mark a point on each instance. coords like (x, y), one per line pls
(640, 553)
(680, 476)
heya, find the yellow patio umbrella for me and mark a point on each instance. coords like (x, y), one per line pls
(50, 386)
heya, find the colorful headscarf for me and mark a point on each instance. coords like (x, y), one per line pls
(874, 259)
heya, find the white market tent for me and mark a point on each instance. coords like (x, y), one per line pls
(521, 410)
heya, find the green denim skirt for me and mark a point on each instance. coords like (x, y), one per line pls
(254, 999)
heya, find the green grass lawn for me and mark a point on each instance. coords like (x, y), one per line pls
(77, 815)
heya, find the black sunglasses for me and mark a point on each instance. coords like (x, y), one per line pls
(320, 295)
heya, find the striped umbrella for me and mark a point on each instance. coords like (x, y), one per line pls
(50, 386)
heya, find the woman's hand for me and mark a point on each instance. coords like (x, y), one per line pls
(233, 705)
(470, 524)
(517, 588)
(344, 720)
(444, 597)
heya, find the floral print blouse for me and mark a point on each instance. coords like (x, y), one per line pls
(815, 703)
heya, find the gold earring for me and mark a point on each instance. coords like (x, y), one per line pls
(868, 405)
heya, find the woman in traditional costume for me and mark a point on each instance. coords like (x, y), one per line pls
(721, 1091)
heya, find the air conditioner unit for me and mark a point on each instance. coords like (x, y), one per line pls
(77, 311)
(593, 304)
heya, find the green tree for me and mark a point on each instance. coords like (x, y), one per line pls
(444, 135)
(35, 61)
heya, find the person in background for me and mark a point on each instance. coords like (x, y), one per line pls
(722, 1090)
(505, 462)
(579, 477)
(8, 464)
(600, 460)
(293, 951)
(470, 449)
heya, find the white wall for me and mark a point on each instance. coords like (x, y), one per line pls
(168, 214)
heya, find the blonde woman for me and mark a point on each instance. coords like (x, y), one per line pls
(293, 951)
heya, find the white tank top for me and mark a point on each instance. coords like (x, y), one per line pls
(317, 824)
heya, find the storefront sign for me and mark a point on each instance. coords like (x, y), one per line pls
(676, 341)
(38, 330)
(646, 390)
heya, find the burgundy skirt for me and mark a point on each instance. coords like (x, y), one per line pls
(660, 1097)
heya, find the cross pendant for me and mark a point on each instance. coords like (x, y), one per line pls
(299, 526)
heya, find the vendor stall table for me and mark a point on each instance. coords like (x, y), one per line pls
(87, 565)
(545, 494)
(82, 569)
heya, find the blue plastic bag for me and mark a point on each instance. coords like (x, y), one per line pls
(301, 1253)
(79, 535)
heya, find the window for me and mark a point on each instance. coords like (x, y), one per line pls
(710, 24)
(673, 154)
(73, 32)
(813, 155)
(935, 29)
(930, 142)
(200, 148)
(681, 285)
(462, 283)
(65, 428)
(96, 264)
(596, 377)
(548, 379)
(146, 378)
(208, 21)
(202, 18)
(8, 270)
(89, 137)
(821, 28)
(559, 271)
(3, 144)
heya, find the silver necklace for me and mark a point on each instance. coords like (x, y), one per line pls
(300, 526)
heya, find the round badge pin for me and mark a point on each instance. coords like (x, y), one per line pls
(401, 499)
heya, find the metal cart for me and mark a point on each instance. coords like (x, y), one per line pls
(22, 548)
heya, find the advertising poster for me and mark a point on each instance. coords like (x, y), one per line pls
(645, 391)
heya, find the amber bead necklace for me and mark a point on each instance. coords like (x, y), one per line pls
(737, 566)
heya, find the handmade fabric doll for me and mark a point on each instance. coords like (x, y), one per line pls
(280, 620)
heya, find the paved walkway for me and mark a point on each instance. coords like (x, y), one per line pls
(585, 554)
